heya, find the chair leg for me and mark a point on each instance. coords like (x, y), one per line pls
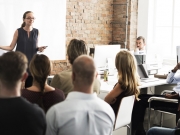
(161, 120)
(129, 129)
(149, 115)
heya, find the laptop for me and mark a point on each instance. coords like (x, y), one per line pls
(142, 71)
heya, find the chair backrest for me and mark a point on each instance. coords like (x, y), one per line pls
(125, 111)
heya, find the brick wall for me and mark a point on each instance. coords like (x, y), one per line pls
(119, 23)
(91, 21)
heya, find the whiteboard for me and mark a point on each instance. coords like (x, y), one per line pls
(50, 21)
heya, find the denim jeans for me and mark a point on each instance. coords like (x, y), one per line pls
(161, 131)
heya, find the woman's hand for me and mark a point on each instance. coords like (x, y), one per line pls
(41, 49)
(171, 96)
(111, 97)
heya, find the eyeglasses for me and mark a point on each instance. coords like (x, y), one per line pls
(30, 18)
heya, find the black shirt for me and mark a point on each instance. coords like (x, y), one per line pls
(19, 117)
(27, 45)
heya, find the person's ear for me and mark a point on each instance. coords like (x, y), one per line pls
(24, 77)
(96, 74)
(73, 76)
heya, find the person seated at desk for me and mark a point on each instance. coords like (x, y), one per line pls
(40, 92)
(140, 46)
(62, 80)
(127, 84)
(82, 112)
(166, 106)
(164, 131)
(175, 78)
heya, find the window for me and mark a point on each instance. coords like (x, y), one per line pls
(159, 23)
(167, 26)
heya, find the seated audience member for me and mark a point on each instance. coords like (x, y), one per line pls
(165, 131)
(175, 78)
(40, 92)
(127, 84)
(82, 112)
(17, 115)
(166, 106)
(140, 45)
(63, 80)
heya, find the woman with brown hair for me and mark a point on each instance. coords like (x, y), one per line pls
(63, 80)
(127, 85)
(128, 80)
(26, 41)
(40, 92)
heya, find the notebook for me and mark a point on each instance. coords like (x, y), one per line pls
(142, 71)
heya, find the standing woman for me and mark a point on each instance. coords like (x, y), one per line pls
(26, 41)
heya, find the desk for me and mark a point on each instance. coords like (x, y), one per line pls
(106, 87)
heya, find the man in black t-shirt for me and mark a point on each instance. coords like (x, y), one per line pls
(17, 115)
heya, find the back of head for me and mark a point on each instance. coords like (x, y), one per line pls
(127, 71)
(40, 68)
(12, 66)
(76, 48)
(84, 70)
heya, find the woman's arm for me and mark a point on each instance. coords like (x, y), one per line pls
(172, 76)
(111, 97)
(13, 43)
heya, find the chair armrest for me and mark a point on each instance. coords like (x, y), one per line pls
(163, 99)
(178, 124)
(177, 131)
(166, 91)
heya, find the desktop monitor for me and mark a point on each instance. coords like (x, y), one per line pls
(178, 53)
(105, 54)
(141, 59)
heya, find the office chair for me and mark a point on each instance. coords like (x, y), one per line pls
(162, 100)
(123, 118)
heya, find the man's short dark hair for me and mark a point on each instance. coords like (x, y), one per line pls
(12, 67)
(141, 37)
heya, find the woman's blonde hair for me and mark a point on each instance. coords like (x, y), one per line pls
(127, 71)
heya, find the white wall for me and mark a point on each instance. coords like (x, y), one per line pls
(50, 20)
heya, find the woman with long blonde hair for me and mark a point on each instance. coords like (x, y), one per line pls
(128, 79)
(127, 85)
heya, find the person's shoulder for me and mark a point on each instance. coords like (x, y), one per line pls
(66, 72)
(104, 107)
(59, 93)
(102, 103)
(19, 29)
(58, 108)
(35, 29)
(34, 108)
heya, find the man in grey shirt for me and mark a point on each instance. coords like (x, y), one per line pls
(82, 112)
